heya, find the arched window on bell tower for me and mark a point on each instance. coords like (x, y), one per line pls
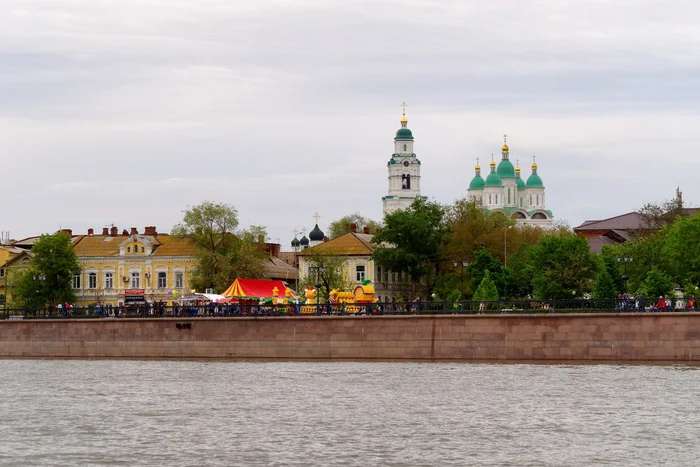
(405, 182)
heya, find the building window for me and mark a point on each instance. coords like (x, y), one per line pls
(109, 280)
(489, 198)
(76, 281)
(135, 280)
(386, 276)
(530, 200)
(179, 280)
(143, 249)
(2, 273)
(404, 148)
(359, 273)
(92, 280)
(393, 276)
(162, 280)
(128, 249)
(508, 195)
(538, 200)
(379, 273)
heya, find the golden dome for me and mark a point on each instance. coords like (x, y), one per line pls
(504, 148)
(493, 163)
(403, 120)
(476, 167)
(517, 169)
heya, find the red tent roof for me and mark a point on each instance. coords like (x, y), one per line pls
(260, 288)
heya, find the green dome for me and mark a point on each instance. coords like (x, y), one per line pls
(477, 183)
(404, 133)
(534, 181)
(493, 180)
(520, 183)
(506, 169)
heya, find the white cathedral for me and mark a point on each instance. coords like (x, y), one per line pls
(503, 190)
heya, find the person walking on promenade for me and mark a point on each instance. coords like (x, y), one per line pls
(662, 303)
(690, 304)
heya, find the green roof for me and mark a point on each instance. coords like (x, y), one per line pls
(493, 180)
(505, 169)
(534, 181)
(477, 183)
(520, 183)
(404, 133)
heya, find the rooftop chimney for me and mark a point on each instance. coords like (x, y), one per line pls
(113, 231)
(91, 232)
(150, 230)
(105, 231)
(68, 231)
(125, 233)
(134, 231)
(365, 229)
(353, 228)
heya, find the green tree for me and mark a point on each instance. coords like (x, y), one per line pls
(484, 263)
(681, 249)
(411, 242)
(561, 267)
(657, 283)
(326, 273)
(49, 277)
(604, 286)
(486, 291)
(343, 225)
(223, 253)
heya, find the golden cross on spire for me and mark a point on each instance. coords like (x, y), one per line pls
(404, 105)
(316, 216)
(296, 232)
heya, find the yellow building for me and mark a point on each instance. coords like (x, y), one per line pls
(356, 250)
(8, 255)
(129, 267)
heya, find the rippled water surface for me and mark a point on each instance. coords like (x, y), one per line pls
(71, 412)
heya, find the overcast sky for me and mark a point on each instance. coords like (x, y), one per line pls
(127, 112)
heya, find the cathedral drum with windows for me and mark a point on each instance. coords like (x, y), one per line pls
(503, 190)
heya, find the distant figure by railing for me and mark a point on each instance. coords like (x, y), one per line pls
(415, 307)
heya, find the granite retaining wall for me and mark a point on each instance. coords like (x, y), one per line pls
(594, 337)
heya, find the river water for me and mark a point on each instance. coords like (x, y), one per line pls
(127, 413)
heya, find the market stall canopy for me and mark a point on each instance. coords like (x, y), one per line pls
(256, 288)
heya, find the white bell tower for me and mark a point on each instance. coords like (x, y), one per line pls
(404, 171)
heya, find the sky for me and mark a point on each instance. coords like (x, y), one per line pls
(126, 113)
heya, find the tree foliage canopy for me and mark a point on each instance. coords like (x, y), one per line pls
(223, 253)
(343, 225)
(411, 241)
(49, 279)
(561, 267)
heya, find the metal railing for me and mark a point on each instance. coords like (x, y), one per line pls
(335, 309)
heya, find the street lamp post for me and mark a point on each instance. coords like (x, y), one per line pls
(464, 263)
(624, 260)
(505, 244)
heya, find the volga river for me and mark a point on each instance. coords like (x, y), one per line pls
(127, 413)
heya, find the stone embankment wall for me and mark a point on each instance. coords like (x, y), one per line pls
(599, 337)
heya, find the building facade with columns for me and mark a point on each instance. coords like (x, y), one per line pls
(504, 190)
(404, 172)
